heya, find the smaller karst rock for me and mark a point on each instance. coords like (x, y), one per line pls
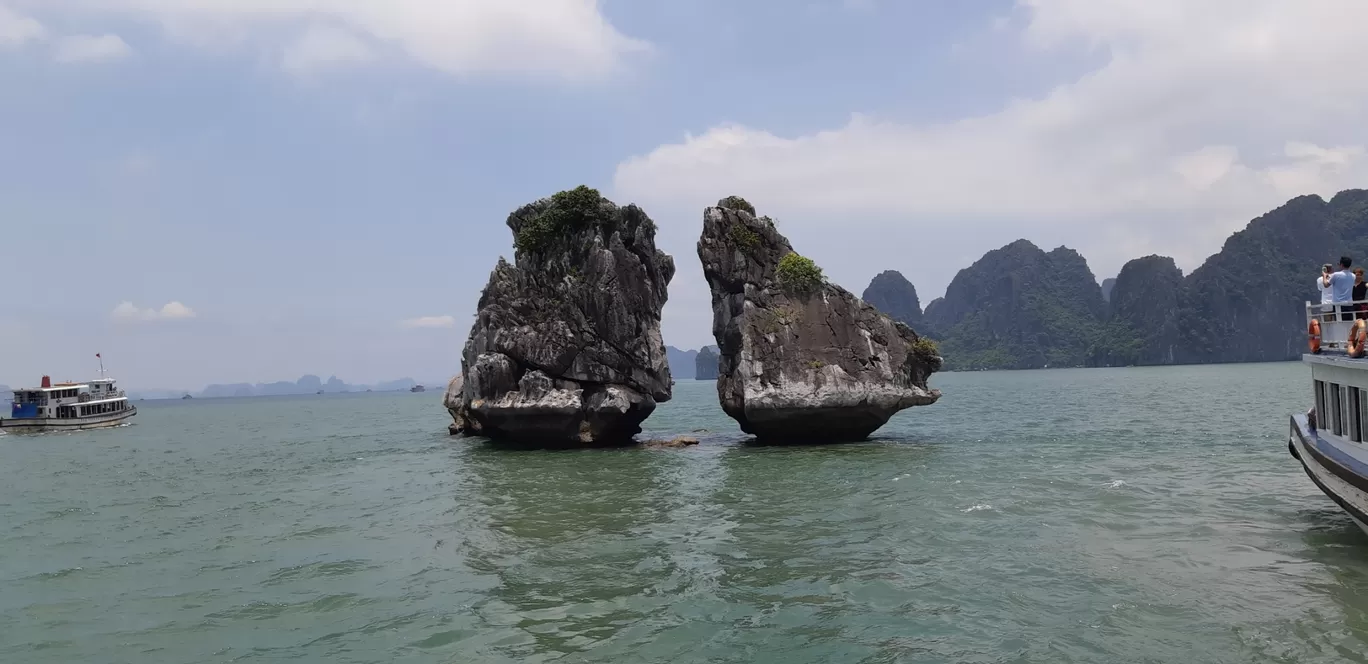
(566, 347)
(802, 360)
(891, 293)
(453, 402)
(705, 365)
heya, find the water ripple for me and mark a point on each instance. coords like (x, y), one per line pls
(1060, 516)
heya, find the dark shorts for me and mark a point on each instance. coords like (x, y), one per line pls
(1347, 311)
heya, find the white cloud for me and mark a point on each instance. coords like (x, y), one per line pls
(170, 311)
(567, 39)
(429, 322)
(90, 48)
(16, 29)
(1204, 115)
(323, 46)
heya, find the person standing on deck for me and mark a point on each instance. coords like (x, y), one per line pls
(1327, 295)
(1360, 294)
(1342, 287)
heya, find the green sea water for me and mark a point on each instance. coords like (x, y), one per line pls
(1117, 515)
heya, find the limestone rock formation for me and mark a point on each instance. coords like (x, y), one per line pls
(1019, 307)
(1107, 286)
(705, 364)
(1142, 327)
(566, 346)
(802, 360)
(454, 402)
(891, 292)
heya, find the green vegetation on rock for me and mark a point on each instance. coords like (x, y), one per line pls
(566, 211)
(925, 350)
(799, 275)
(744, 238)
(737, 203)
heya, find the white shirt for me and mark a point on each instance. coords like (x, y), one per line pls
(1327, 295)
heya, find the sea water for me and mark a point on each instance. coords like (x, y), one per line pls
(1108, 515)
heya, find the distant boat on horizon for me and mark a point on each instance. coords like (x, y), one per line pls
(187, 396)
(417, 388)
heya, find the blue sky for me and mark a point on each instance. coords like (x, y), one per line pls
(251, 190)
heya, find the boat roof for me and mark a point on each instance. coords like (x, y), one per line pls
(64, 386)
(1336, 359)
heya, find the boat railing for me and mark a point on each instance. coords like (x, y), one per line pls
(86, 396)
(1336, 321)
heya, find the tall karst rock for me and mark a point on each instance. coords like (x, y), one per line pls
(802, 360)
(705, 365)
(891, 293)
(1107, 285)
(566, 347)
(1142, 325)
(1019, 308)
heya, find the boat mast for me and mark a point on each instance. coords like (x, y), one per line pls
(102, 369)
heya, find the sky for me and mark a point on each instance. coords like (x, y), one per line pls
(252, 190)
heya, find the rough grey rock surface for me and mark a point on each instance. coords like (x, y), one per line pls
(566, 347)
(454, 403)
(820, 367)
(705, 364)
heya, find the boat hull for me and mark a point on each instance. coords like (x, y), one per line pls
(67, 424)
(1340, 477)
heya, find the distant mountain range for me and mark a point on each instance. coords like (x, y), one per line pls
(1020, 307)
(684, 364)
(309, 384)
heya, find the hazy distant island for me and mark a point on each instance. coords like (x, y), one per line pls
(692, 364)
(681, 362)
(1020, 307)
(308, 384)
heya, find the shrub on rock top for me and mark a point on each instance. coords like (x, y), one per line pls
(569, 211)
(799, 275)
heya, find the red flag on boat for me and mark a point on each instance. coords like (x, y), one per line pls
(97, 355)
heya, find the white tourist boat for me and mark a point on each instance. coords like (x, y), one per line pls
(68, 406)
(1331, 439)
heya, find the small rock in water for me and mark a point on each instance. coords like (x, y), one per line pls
(681, 441)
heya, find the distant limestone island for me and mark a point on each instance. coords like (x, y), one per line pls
(308, 384)
(693, 364)
(1020, 307)
(566, 348)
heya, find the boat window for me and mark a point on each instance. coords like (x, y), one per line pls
(1354, 415)
(1363, 415)
(1336, 412)
(1320, 404)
